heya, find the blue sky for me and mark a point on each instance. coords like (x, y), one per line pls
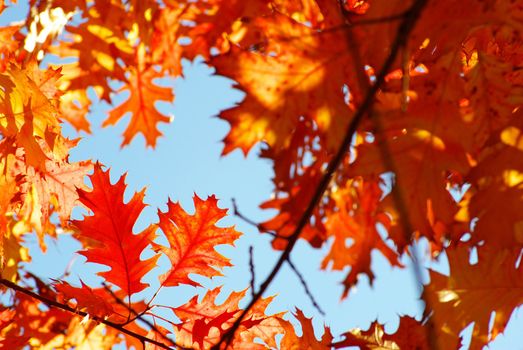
(187, 161)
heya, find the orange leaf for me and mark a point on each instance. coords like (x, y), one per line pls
(108, 234)
(8, 44)
(92, 301)
(308, 340)
(192, 240)
(204, 321)
(485, 293)
(44, 191)
(165, 47)
(357, 220)
(144, 94)
(290, 206)
(294, 71)
(411, 335)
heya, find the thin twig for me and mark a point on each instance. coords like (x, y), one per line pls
(345, 26)
(251, 268)
(64, 307)
(305, 287)
(165, 319)
(407, 24)
(244, 218)
(140, 317)
(237, 213)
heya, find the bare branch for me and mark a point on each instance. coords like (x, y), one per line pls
(306, 287)
(407, 24)
(251, 268)
(237, 213)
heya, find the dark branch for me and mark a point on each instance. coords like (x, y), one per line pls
(240, 215)
(251, 268)
(237, 213)
(55, 304)
(305, 287)
(407, 24)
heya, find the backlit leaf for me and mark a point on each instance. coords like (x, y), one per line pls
(108, 234)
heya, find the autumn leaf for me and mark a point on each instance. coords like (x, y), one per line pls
(437, 151)
(159, 334)
(28, 113)
(108, 235)
(73, 104)
(217, 23)
(57, 186)
(425, 153)
(411, 335)
(290, 211)
(495, 197)
(30, 322)
(42, 191)
(100, 302)
(361, 200)
(287, 70)
(165, 46)
(484, 293)
(205, 321)
(100, 46)
(9, 338)
(120, 56)
(141, 104)
(192, 241)
(371, 339)
(94, 302)
(308, 340)
(81, 336)
(8, 45)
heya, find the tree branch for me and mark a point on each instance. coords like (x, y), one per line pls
(293, 267)
(306, 287)
(237, 213)
(64, 307)
(407, 24)
(251, 268)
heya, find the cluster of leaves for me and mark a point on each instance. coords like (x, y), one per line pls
(396, 117)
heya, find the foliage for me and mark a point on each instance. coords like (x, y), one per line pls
(396, 118)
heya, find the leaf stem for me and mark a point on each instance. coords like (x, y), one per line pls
(139, 316)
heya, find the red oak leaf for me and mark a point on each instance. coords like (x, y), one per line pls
(308, 340)
(411, 335)
(108, 234)
(192, 240)
(93, 301)
(357, 219)
(205, 321)
(145, 117)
